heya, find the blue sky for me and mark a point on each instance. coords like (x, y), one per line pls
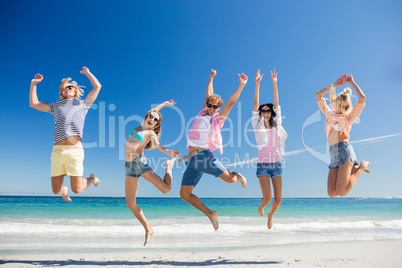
(147, 52)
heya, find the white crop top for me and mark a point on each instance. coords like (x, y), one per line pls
(337, 127)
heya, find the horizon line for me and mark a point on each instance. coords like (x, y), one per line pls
(178, 197)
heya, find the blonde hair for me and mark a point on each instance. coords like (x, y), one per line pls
(156, 129)
(215, 98)
(78, 89)
(337, 102)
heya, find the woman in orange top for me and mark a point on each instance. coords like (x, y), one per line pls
(343, 171)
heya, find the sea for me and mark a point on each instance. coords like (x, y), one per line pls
(35, 224)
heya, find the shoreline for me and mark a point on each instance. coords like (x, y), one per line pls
(384, 253)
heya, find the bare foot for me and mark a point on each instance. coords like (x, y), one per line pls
(270, 221)
(169, 163)
(242, 180)
(364, 165)
(148, 235)
(260, 211)
(214, 220)
(64, 191)
(95, 180)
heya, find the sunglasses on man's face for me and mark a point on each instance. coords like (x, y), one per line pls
(214, 106)
(153, 118)
(69, 87)
(266, 111)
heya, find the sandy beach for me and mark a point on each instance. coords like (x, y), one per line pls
(45, 232)
(342, 254)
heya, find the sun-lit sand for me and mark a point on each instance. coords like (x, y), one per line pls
(343, 254)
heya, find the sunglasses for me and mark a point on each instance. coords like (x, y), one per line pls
(153, 118)
(69, 87)
(266, 111)
(214, 106)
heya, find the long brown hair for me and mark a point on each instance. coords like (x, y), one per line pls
(156, 129)
(272, 121)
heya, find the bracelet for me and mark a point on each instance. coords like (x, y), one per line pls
(332, 86)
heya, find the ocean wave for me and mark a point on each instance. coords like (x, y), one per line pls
(186, 226)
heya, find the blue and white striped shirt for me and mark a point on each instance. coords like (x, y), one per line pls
(69, 117)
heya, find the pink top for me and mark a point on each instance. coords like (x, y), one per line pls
(270, 152)
(214, 137)
(344, 120)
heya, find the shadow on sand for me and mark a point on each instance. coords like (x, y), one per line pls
(211, 262)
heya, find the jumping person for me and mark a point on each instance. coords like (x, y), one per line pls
(270, 137)
(204, 138)
(343, 171)
(69, 115)
(146, 137)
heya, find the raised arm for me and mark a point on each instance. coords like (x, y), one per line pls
(341, 81)
(93, 94)
(274, 77)
(258, 79)
(210, 87)
(359, 92)
(235, 96)
(166, 103)
(33, 97)
(160, 147)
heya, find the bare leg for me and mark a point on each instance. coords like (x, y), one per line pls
(266, 193)
(331, 185)
(354, 169)
(59, 189)
(187, 195)
(345, 181)
(233, 177)
(131, 188)
(277, 183)
(356, 175)
(79, 184)
(164, 185)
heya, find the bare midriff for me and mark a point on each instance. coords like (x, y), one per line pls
(72, 140)
(193, 148)
(134, 148)
(336, 137)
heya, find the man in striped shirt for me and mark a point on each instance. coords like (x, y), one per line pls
(69, 116)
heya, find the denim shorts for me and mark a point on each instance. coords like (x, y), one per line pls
(203, 162)
(269, 169)
(340, 153)
(137, 167)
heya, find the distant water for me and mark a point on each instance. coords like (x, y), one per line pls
(42, 224)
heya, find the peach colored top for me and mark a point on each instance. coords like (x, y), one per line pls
(344, 120)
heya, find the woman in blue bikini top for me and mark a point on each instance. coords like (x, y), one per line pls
(146, 137)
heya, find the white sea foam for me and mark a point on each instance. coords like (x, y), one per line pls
(187, 226)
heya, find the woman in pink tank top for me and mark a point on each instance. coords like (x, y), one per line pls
(270, 137)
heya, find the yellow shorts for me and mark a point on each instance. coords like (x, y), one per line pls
(67, 160)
